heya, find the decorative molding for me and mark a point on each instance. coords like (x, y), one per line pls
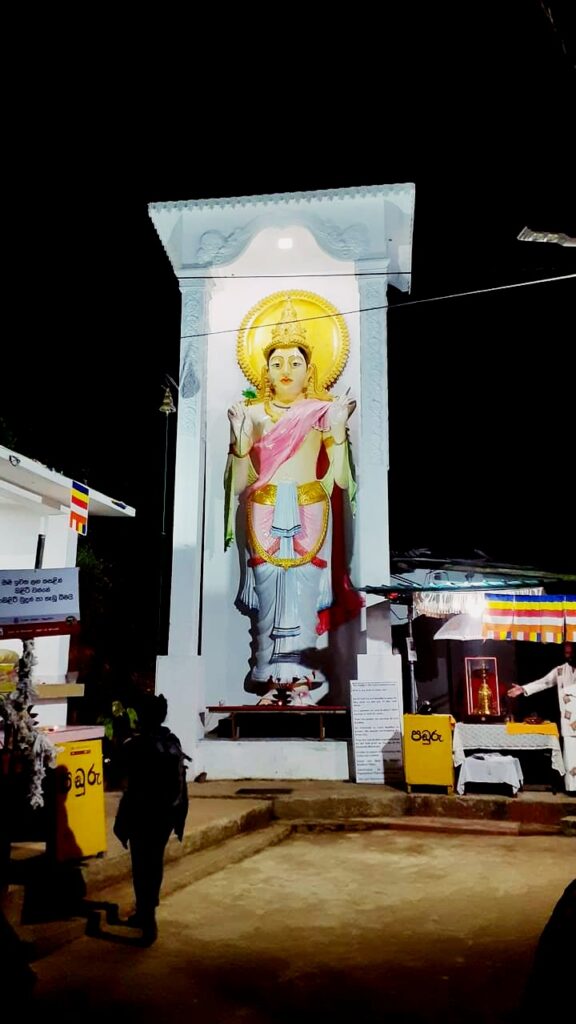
(349, 243)
(215, 247)
(192, 308)
(192, 348)
(285, 198)
(200, 234)
(374, 372)
(344, 243)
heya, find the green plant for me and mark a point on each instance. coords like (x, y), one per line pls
(120, 723)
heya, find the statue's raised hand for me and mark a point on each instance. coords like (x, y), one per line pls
(340, 411)
(237, 417)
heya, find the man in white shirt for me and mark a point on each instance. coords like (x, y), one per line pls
(564, 678)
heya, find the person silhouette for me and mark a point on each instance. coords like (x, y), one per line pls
(154, 803)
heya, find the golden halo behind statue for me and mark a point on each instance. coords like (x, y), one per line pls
(303, 317)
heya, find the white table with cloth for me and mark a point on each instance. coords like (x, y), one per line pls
(494, 769)
(501, 738)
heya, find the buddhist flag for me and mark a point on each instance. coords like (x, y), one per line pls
(498, 617)
(570, 614)
(539, 619)
(79, 501)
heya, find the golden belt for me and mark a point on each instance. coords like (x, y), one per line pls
(308, 494)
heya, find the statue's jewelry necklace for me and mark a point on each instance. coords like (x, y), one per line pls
(274, 416)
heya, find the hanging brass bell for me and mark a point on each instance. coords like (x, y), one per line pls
(167, 402)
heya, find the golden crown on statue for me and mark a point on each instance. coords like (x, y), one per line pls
(288, 333)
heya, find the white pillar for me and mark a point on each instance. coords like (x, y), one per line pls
(178, 675)
(372, 562)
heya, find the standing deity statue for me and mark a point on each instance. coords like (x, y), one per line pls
(288, 448)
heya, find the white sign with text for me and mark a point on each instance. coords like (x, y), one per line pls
(376, 730)
(38, 595)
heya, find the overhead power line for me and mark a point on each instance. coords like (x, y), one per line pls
(403, 305)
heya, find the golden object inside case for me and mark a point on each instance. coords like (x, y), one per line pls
(484, 706)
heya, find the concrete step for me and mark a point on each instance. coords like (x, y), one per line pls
(187, 870)
(105, 905)
(341, 805)
(420, 823)
(115, 866)
(542, 809)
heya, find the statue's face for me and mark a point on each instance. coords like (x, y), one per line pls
(288, 373)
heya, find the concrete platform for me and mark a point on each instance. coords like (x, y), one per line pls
(231, 821)
(319, 800)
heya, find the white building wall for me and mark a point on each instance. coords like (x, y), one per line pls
(19, 531)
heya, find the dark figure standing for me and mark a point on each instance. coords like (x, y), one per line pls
(554, 959)
(154, 803)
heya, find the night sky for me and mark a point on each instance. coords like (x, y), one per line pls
(476, 108)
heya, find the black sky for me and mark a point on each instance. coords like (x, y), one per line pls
(473, 102)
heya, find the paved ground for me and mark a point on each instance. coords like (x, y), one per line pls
(366, 927)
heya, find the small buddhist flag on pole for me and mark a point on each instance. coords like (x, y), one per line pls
(79, 501)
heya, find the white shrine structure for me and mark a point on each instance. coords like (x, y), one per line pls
(35, 501)
(344, 246)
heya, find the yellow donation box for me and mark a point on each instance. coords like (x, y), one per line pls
(80, 826)
(428, 751)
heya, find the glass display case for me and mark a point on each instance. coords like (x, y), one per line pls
(482, 691)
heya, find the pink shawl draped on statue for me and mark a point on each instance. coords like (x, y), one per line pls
(283, 441)
(272, 451)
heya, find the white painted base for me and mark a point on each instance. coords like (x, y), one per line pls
(271, 759)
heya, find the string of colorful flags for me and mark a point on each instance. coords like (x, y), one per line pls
(548, 619)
